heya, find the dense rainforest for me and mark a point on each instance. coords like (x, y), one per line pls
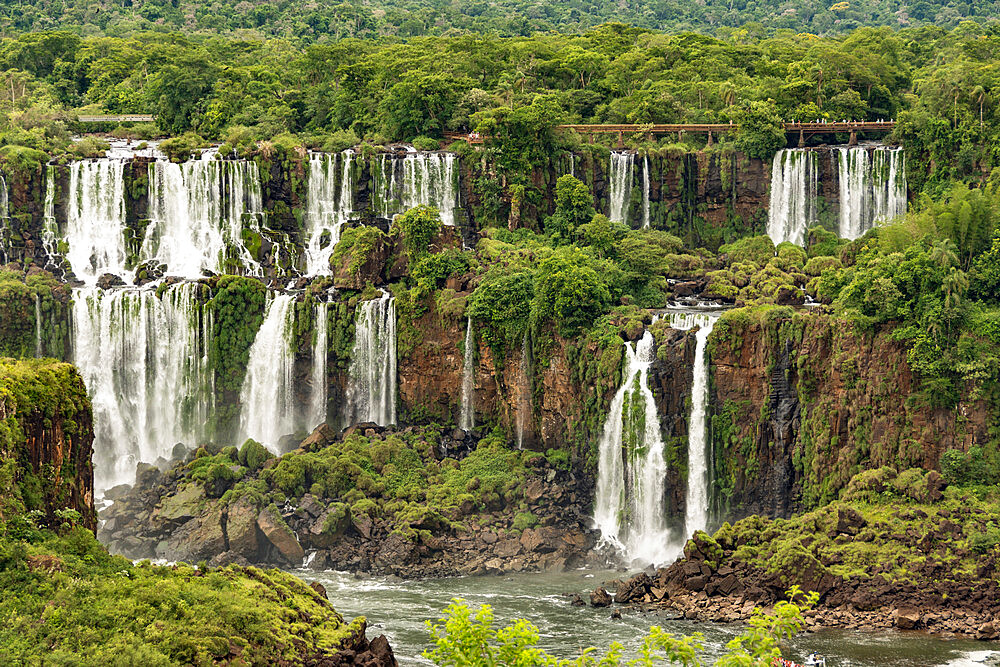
(329, 21)
(355, 301)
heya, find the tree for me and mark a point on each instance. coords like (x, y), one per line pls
(760, 133)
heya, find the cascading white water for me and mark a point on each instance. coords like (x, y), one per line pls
(697, 498)
(467, 416)
(645, 192)
(144, 359)
(872, 188)
(523, 392)
(38, 326)
(619, 185)
(329, 203)
(267, 399)
(50, 228)
(198, 211)
(319, 368)
(794, 187)
(95, 220)
(371, 394)
(630, 507)
(429, 179)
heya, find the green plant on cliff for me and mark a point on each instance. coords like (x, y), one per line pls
(418, 226)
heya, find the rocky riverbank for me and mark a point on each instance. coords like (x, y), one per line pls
(899, 552)
(410, 503)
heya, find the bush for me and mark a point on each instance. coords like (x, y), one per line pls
(760, 133)
(756, 249)
(569, 291)
(182, 148)
(253, 455)
(341, 140)
(524, 520)
(426, 144)
(418, 226)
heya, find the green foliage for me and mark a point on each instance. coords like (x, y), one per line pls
(66, 597)
(464, 637)
(574, 207)
(253, 454)
(569, 291)
(501, 306)
(760, 134)
(418, 226)
(968, 468)
(180, 149)
(753, 249)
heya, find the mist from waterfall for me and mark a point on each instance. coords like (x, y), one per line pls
(619, 185)
(145, 361)
(329, 204)
(630, 506)
(794, 189)
(371, 393)
(95, 219)
(872, 187)
(267, 399)
(467, 414)
(198, 211)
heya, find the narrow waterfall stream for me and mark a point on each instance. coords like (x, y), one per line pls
(4, 217)
(872, 187)
(38, 327)
(371, 395)
(629, 509)
(697, 497)
(267, 399)
(619, 185)
(95, 219)
(319, 394)
(467, 415)
(645, 192)
(50, 228)
(144, 359)
(197, 212)
(523, 391)
(794, 187)
(329, 203)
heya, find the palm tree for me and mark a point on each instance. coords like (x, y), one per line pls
(955, 284)
(944, 253)
(979, 94)
(728, 93)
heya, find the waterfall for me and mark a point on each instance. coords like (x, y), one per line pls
(631, 486)
(794, 187)
(872, 188)
(523, 391)
(95, 220)
(619, 185)
(144, 359)
(4, 220)
(429, 179)
(329, 203)
(467, 416)
(197, 213)
(319, 369)
(645, 192)
(267, 399)
(38, 326)
(697, 499)
(371, 395)
(50, 228)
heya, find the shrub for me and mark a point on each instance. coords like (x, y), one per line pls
(423, 143)
(182, 148)
(756, 249)
(253, 454)
(524, 520)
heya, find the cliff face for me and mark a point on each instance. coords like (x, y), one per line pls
(801, 404)
(46, 439)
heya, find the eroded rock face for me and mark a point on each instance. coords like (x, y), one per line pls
(281, 537)
(57, 435)
(778, 387)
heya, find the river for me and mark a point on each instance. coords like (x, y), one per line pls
(399, 610)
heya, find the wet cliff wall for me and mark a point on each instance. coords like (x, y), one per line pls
(802, 401)
(46, 439)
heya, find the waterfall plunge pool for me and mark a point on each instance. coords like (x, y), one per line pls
(399, 610)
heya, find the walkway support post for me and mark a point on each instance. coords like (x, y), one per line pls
(802, 138)
(621, 139)
(854, 138)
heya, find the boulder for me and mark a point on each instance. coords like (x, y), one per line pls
(988, 631)
(201, 538)
(241, 529)
(534, 490)
(280, 535)
(633, 590)
(906, 618)
(849, 521)
(183, 505)
(600, 597)
(322, 436)
(539, 540)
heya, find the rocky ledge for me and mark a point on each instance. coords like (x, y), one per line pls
(899, 552)
(411, 503)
